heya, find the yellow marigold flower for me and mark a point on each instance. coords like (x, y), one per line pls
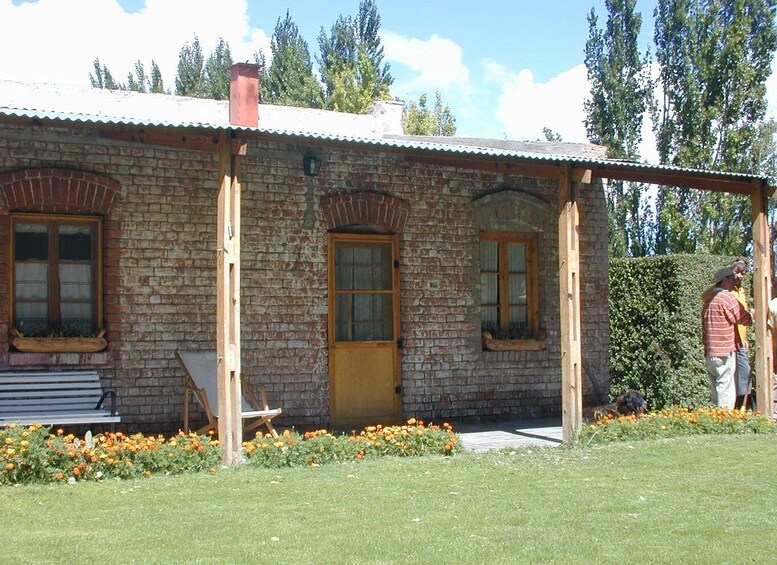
(10, 451)
(8, 440)
(278, 444)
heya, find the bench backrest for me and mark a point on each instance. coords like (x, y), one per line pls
(67, 391)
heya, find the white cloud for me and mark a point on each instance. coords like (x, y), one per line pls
(70, 34)
(525, 107)
(436, 63)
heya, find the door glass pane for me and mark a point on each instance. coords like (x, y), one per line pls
(343, 318)
(489, 256)
(516, 257)
(366, 315)
(383, 317)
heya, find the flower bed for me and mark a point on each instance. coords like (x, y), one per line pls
(676, 421)
(33, 454)
(319, 447)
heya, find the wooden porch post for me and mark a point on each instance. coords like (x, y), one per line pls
(228, 303)
(569, 301)
(762, 286)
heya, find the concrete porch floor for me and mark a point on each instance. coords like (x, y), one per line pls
(497, 435)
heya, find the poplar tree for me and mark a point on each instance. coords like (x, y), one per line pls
(620, 87)
(351, 61)
(290, 80)
(157, 84)
(102, 77)
(216, 73)
(189, 79)
(419, 119)
(714, 57)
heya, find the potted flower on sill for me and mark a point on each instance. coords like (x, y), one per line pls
(66, 340)
(522, 339)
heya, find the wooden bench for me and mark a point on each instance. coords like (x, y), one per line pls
(67, 397)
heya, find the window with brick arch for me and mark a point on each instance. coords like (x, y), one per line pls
(509, 297)
(56, 274)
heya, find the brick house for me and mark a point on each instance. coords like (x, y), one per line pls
(364, 290)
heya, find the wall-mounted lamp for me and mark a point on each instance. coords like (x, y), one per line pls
(311, 165)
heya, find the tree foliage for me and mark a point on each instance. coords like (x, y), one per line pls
(102, 77)
(190, 78)
(714, 57)
(419, 119)
(351, 65)
(290, 80)
(217, 74)
(620, 90)
(352, 70)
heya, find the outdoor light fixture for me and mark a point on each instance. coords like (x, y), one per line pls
(311, 165)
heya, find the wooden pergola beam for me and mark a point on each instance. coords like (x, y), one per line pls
(569, 301)
(762, 285)
(677, 179)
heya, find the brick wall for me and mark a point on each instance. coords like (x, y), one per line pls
(159, 257)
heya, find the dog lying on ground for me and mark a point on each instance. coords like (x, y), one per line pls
(631, 402)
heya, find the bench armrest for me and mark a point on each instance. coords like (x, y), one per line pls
(108, 394)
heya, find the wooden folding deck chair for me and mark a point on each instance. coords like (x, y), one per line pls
(200, 380)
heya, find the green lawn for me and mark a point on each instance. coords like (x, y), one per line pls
(708, 499)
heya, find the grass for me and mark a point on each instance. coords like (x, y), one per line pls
(701, 499)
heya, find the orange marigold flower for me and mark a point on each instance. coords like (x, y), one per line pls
(76, 471)
(9, 467)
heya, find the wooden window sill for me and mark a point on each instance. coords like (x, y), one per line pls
(59, 344)
(491, 344)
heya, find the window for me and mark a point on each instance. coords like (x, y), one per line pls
(56, 274)
(509, 302)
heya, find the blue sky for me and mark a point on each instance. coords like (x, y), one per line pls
(507, 68)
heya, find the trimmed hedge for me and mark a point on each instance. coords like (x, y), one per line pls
(655, 327)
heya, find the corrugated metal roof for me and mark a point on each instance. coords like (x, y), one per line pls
(448, 147)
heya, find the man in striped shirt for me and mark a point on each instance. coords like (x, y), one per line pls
(719, 316)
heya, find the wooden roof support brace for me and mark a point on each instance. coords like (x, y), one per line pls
(230, 425)
(569, 295)
(762, 285)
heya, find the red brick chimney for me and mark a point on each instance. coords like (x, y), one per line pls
(244, 95)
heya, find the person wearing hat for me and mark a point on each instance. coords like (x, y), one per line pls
(742, 380)
(719, 317)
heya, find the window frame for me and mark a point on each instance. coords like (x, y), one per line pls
(532, 276)
(53, 301)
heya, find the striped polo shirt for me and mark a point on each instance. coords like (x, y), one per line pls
(721, 312)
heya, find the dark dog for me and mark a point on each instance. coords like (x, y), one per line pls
(631, 402)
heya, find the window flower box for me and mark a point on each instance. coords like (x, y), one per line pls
(58, 344)
(528, 344)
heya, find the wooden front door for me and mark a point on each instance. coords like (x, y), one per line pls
(363, 330)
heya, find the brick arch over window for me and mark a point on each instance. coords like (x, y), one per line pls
(58, 191)
(365, 209)
(512, 210)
